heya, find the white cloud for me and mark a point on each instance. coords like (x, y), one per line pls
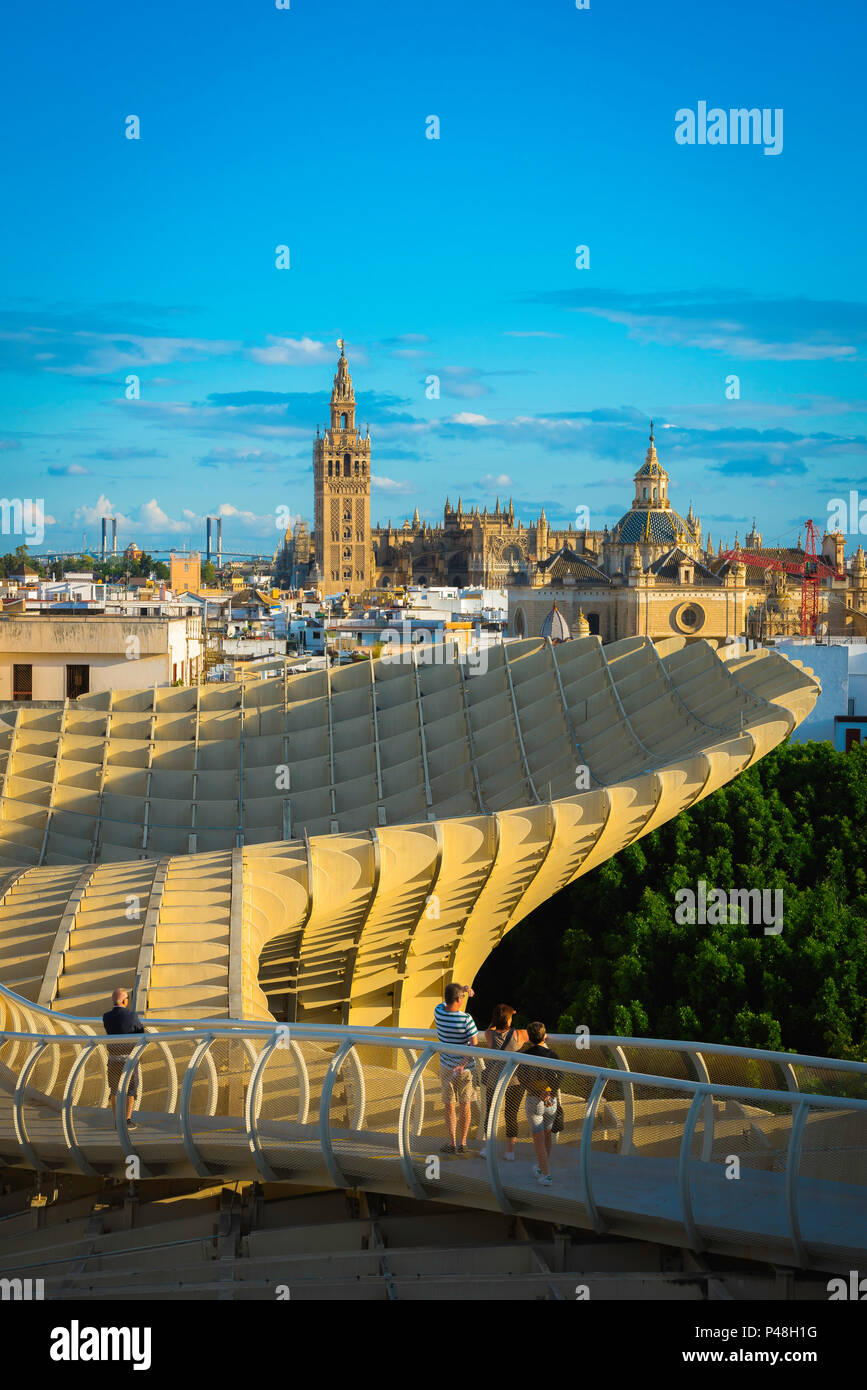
(152, 518)
(247, 519)
(288, 352)
(91, 516)
(719, 336)
(465, 417)
(104, 352)
(390, 484)
(493, 480)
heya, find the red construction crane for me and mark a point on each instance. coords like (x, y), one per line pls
(810, 585)
(810, 570)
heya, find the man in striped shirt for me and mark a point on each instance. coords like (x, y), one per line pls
(456, 1029)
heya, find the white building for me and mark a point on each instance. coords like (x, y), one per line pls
(63, 655)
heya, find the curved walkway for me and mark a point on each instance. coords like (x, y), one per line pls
(752, 1154)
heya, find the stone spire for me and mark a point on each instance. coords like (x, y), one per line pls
(416, 523)
(342, 395)
(754, 538)
(651, 480)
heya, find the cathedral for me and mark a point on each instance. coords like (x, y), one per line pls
(654, 573)
(347, 555)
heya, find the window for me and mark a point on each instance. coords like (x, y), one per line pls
(77, 681)
(343, 421)
(593, 620)
(22, 682)
(347, 466)
(174, 671)
(853, 736)
(689, 617)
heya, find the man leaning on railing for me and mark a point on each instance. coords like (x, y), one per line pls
(455, 1028)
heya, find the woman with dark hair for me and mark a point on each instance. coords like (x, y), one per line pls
(501, 1036)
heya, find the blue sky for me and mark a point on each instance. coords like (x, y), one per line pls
(456, 257)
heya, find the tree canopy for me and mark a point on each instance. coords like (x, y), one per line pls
(607, 952)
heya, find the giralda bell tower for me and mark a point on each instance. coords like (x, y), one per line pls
(341, 473)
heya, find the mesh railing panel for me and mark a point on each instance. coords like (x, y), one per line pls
(289, 1139)
(834, 1146)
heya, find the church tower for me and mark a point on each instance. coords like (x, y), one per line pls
(341, 490)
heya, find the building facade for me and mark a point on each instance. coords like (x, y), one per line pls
(45, 656)
(490, 549)
(654, 575)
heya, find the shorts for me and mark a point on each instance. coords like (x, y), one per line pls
(457, 1088)
(541, 1114)
(115, 1072)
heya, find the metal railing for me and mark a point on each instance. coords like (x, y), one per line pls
(775, 1171)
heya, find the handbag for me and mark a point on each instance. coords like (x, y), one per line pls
(494, 1069)
(559, 1119)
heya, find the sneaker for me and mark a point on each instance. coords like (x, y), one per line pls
(483, 1152)
(510, 1158)
(537, 1171)
(545, 1179)
(463, 1151)
(448, 1149)
(131, 1124)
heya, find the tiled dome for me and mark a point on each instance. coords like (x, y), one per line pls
(556, 627)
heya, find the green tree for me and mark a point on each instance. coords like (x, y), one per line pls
(607, 952)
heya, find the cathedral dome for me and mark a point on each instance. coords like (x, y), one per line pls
(555, 626)
(651, 520)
